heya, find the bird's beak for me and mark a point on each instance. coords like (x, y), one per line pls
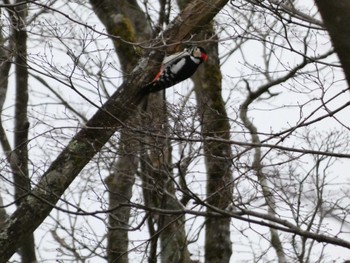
(204, 56)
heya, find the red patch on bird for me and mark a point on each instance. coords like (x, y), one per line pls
(204, 56)
(158, 74)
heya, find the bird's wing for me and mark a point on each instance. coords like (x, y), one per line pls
(172, 68)
(177, 66)
(170, 59)
(174, 61)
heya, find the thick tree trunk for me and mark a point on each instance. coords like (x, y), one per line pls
(215, 123)
(19, 157)
(122, 104)
(336, 17)
(127, 22)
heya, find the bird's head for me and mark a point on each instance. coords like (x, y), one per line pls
(199, 52)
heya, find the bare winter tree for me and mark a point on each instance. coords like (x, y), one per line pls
(247, 160)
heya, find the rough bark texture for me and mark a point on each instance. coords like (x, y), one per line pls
(126, 20)
(336, 17)
(111, 117)
(215, 124)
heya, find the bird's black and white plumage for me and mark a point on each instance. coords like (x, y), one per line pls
(176, 68)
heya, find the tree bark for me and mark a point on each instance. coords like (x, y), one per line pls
(336, 17)
(215, 124)
(19, 157)
(126, 20)
(97, 131)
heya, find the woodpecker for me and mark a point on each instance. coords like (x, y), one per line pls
(176, 68)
